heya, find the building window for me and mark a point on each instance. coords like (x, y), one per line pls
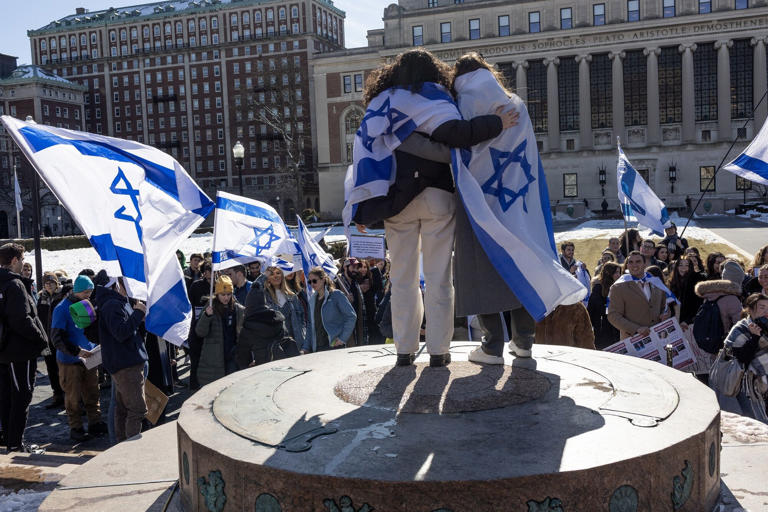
(566, 18)
(359, 82)
(705, 81)
(570, 184)
(706, 173)
(670, 85)
(431, 3)
(743, 184)
(474, 28)
(741, 79)
(598, 14)
(633, 10)
(568, 93)
(537, 95)
(445, 32)
(351, 123)
(534, 22)
(503, 26)
(418, 35)
(705, 6)
(347, 84)
(635, 89)
(669, 8)
(741, 4)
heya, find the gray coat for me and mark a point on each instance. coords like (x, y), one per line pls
(479, 288)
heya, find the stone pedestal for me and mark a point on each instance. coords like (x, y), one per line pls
(346, 430)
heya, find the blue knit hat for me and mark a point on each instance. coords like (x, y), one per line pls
(82, 283)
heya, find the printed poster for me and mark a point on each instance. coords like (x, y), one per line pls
(652, 346)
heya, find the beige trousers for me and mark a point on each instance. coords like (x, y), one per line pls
(427, 225)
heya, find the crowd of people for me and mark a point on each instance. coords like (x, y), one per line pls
(242, 317)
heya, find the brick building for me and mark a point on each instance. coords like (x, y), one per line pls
(194, 77)
(677, 80)
(48, 99)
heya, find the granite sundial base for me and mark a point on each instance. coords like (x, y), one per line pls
(347, 431)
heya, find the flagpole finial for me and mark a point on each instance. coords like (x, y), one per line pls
(618, 141)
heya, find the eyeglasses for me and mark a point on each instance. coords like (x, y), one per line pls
(314, 281)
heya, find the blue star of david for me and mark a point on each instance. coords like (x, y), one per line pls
(495, 185)
(393, 116)
(133, 194)
(269, 232)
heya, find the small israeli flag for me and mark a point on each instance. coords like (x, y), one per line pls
(135, 203)
(246, 230)
(638, 201)
(752, 163)
(312, 255)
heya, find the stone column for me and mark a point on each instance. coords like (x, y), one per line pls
(759, 82)
(521, 78)
(618, 93)
(723, 90)
(689, 98)
(653, 130)
(553, 104)
(585, 102)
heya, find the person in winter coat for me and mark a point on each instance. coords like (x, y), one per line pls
(568, 326)
(682, 282)
(281, 298)
(371, 287)
(333, 318)
(727, 295)
(605, 333)
(262, 327)
(23, 340)
(47, 300)
(219, 326)
(78, 382)
(123, 354)
(749, 342)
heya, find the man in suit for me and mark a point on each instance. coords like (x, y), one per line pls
(636, 305)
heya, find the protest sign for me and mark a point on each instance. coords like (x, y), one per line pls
(367, 246)
(651, 346)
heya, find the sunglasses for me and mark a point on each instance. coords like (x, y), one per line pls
(314, 281)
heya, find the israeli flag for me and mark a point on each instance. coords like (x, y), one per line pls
(752, 163)
(246, 230)
(502, 185)
(638, 202)
(390, 118)
(653, 281)
(312, 255)
(135, 204)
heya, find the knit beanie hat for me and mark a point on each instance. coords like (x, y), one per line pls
(223, 285)
(50, 276)
(82, 283)
(733, 273)
(83, 313)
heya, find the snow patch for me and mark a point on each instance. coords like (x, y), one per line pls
(25, 500)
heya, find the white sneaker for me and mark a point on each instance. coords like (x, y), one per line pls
(517, 351)
(478, 355)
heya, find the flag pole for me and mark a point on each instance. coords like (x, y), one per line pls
(624, 217)
(18, 212)
(709, 183)
(210, 293)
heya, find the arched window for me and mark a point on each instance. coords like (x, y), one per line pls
(352, 121)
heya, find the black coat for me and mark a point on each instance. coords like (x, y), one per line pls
(122, 343)
(414, 173)
(261, 328)
(605, 333)
(25, 336)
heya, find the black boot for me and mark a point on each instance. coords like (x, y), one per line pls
(405, 359)
(439, 360)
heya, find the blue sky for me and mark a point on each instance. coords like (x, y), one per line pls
(362, 15)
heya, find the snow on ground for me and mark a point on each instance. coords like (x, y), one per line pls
(22, 501)
(753, 215)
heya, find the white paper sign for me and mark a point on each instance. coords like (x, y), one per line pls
(651, 346)
(367, 246)
(94, 360)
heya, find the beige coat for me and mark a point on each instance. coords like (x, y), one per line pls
(629, 310)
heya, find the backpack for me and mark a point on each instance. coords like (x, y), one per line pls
(708, 329)
(282, 349)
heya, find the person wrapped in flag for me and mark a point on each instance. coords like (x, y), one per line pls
(408, 101)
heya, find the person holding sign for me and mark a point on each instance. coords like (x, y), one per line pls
(637, 300)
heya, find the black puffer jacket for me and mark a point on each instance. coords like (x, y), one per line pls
(262, 326)
(25, 336)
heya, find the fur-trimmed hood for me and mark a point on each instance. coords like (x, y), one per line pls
(717, 287)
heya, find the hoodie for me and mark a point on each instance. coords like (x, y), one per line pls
(24, 336)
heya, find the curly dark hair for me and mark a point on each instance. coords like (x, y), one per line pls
(409, 69)
(473, 61)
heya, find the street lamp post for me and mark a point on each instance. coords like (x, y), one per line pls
(673, 176)
(36, 222)
(238, 152)
(601, 178)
